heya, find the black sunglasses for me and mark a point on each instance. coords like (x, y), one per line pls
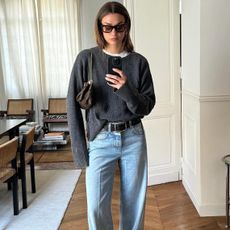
(108, 28)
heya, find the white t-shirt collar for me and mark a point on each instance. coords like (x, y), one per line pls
(122, 54)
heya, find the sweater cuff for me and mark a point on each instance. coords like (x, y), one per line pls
(127, 92)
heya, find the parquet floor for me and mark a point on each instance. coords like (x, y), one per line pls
(168, 206)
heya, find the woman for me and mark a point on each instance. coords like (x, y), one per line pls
(113, 124)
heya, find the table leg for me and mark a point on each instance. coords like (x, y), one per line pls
(227, 197)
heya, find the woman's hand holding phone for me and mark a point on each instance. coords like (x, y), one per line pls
(115, 77)
(116, 81)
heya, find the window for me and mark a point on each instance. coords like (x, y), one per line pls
(38, 45)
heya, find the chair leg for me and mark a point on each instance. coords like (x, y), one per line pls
(24, 192)
(9, 187)
(45, 127)
(32, 174)
(15, 195)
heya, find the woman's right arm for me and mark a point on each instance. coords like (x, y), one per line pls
(74, 114)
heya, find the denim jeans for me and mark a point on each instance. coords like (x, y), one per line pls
(129, 149)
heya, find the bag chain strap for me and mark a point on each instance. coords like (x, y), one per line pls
(90, 75)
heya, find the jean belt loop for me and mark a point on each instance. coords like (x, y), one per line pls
(130, 123)
(109, 127)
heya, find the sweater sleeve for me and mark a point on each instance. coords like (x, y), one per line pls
(140, 101)
(74, 114)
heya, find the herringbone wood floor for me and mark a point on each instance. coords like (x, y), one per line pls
(168, 206)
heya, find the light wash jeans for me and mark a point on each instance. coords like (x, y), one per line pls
(129, 148)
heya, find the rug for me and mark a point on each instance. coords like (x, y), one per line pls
(46, 207)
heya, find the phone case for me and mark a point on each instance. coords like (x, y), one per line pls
(114, 62)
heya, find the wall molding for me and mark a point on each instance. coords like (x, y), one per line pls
(155, 179)
(129, 4)
(164, 165)
(206, 98)
(189, 136)
(174, 68)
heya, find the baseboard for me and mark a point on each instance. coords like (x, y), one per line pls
(191, 195)
(212, 210)
(204, 210)
(162, 178)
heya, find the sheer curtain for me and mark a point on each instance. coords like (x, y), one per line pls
(38, 45)
(19, 48)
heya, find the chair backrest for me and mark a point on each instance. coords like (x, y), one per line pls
(8, 151)
(28, 139)
(57, 106)
(19, 106)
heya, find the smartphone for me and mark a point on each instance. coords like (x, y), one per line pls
(114, 62)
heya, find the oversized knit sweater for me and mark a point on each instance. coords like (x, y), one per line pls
(135, 99)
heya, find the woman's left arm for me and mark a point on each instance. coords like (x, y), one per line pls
(141, 100)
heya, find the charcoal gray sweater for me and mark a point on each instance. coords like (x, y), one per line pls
(135, 99)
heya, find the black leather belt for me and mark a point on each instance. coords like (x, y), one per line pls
(121, 125)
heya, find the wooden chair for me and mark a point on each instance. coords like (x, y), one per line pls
(26, 157)
(56, 112)
(19, 108)
(8, 168)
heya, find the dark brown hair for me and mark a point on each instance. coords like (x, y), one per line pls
(115, 8)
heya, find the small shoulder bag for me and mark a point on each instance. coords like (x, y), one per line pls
(85, 96)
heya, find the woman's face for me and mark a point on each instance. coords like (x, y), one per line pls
(114, 28)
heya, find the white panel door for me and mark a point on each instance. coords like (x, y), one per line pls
(155, 33)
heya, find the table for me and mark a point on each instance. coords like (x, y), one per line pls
(10, 126)
(226, 160)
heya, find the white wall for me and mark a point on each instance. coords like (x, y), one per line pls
(215, 47)
(191, 45)
(206, 102)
